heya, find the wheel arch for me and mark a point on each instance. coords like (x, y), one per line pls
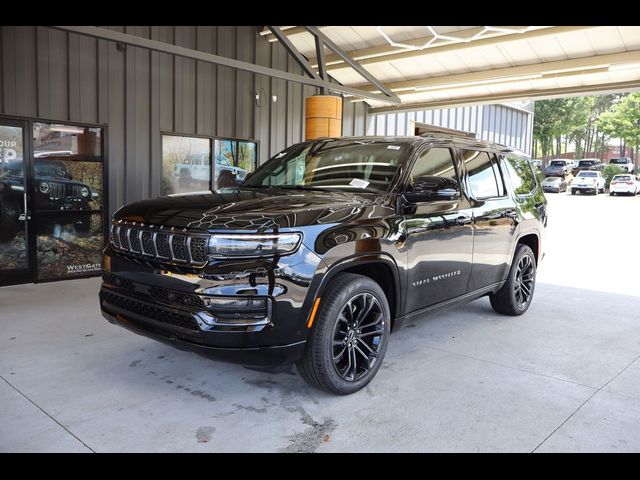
(381, 268)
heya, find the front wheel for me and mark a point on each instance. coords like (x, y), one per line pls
(349, 338)
(573, 191)
(516, 294)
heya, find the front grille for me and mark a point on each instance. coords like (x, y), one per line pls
(118, 281)
(179, 246)
(149, 311)
(134, 240)
(171, 296)
(147, 243)
(199, 249)
(62, 191)
(162, 245)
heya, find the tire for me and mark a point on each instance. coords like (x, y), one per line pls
(573, 191)
(9, 214)
(506, 300)
(320, 366)
(612, 194)
(83, 224)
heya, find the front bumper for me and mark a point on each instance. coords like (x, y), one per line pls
(180, 309)
(272, 356)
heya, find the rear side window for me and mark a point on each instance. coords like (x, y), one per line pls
(522, 177)
(484, 175)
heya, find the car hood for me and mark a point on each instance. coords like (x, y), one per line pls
(253, 209)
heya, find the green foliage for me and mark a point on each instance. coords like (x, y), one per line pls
(609, 172)
(576, 119)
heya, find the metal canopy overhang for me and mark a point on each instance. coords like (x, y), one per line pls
(163, 47)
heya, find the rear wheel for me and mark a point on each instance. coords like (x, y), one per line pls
(516, 294)
(349, 338)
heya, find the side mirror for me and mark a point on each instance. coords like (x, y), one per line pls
(427, 188)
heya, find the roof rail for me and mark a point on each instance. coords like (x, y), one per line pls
(424, 129)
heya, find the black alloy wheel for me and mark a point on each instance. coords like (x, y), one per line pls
(523, 285)
(357, 337)
(349, 336)
(514, 297)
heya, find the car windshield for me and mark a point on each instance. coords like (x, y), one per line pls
(367, 165)
(552, 180)
(588, 174)
(586, 163)
(618, 160)
(621, 178)
(51, 169)
(557, 163)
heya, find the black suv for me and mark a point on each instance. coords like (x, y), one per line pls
(325, 249)
(55, 190)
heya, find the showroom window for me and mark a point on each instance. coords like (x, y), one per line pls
(234, 160)
(186, 164)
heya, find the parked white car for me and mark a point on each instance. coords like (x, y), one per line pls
(625, 163)
(588, 181)
(624, 184)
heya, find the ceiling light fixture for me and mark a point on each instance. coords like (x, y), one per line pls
(452, 38)
(473, 83)
(624, 66)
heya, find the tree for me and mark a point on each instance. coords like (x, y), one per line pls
(624, 122)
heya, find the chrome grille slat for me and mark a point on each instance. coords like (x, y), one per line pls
(160, 245)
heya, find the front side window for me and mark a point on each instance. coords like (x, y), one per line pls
(522, 177)
(333, 164)
(434, 168)
(484, 177)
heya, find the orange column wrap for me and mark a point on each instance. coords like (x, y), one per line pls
(323, 117)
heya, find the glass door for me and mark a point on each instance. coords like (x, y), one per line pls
(15, 258)
(68, 200)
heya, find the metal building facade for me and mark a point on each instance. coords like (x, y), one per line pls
(138, 95)
(504, 124)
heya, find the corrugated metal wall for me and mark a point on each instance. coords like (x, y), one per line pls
(50, 74)
(495, 123)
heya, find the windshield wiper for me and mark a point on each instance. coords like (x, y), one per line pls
(304, 187)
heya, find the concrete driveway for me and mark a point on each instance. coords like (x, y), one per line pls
(563, 377)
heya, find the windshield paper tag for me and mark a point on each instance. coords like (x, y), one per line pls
(356, 182)
(393, 147)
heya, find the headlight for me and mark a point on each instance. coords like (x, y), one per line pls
(44, 187)
(253, 245)
(84, 191)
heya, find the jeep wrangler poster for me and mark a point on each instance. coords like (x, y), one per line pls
(235, 159)
(67, 200)
(186, 164)
(13, 244)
